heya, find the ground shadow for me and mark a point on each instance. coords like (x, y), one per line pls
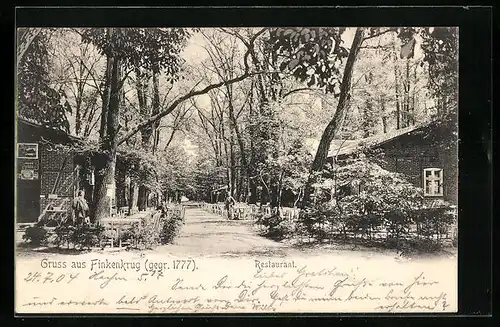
(221, 222)
(264, 252)
(26, 249)
(405, 248)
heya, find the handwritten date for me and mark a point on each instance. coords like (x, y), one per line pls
(49, 277)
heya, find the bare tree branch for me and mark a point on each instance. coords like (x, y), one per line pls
(191, 94)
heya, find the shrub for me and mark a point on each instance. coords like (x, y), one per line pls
(276, 227)
(82, 236)
(86, 236)
(320, 221)
(151, 235)
(146, 236)
(35, 235)
(398, 223)
(434, 221)
(171, 225)
(413, 245)
(63, 235)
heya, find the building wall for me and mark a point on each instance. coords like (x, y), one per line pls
(33, 196)
(54, 162)
(411, 154)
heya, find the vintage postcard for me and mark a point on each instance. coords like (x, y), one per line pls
(236, 170)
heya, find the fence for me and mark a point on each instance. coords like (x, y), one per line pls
(243, 211)
(333, 227)
(116, 226)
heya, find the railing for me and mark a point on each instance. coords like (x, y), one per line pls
(117, 225)
(243, 211)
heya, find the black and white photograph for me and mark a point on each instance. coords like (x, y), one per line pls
(236, 169)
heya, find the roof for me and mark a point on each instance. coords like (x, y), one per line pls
(54, 131)
(346, 147)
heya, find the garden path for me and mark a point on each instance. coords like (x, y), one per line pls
(208, 234)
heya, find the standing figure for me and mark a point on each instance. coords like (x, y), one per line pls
(80, 208)
(164, 209)
(229, 203)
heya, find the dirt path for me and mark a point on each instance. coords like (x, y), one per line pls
(208, 234)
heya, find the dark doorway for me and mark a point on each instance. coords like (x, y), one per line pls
(28, 201)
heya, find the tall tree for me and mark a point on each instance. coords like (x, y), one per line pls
(315, 56)
(77, 69)
(36, 98)
(124, 49)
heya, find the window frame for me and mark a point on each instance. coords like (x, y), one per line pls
(425, 179)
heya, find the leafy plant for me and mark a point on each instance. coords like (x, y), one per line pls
(144, 237)
(434, 221)
(35, 235)
(276, 227)
(86, 236)
(64, 235)
(171, 226)
(82, 236)
(37, 99)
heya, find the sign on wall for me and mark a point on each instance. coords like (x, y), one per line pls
(27, 150)
(28, 170)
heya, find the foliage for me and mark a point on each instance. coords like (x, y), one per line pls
(171, 226)
(63, 235)
(82, 236)
(35, 235)
(86, 236)
(37, 99)
(150, 48)
(312, 55)
(77, 69)
(440, 46)
(383, 204)
(276, 227)
(151, 234)
(145, 236)
(434, 221)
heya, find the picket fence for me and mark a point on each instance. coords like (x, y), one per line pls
(243, 211)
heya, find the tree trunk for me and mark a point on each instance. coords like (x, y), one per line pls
(407, 94)
(367, 113)
(106, 160)
(156, 106)
(142, 198)
(384, 114)
(336, 123)
(396, 86)
(141, 88)
(134, 196)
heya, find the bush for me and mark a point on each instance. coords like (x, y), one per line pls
(413, 245)
(63, 235)
(82, 236)
(171, 225)
(144, 237)
(151, 235)
(434, 221)
(276, 227)
(35, 235)
(86, 236)
(397, 223)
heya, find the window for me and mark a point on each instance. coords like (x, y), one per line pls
(433, 182)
